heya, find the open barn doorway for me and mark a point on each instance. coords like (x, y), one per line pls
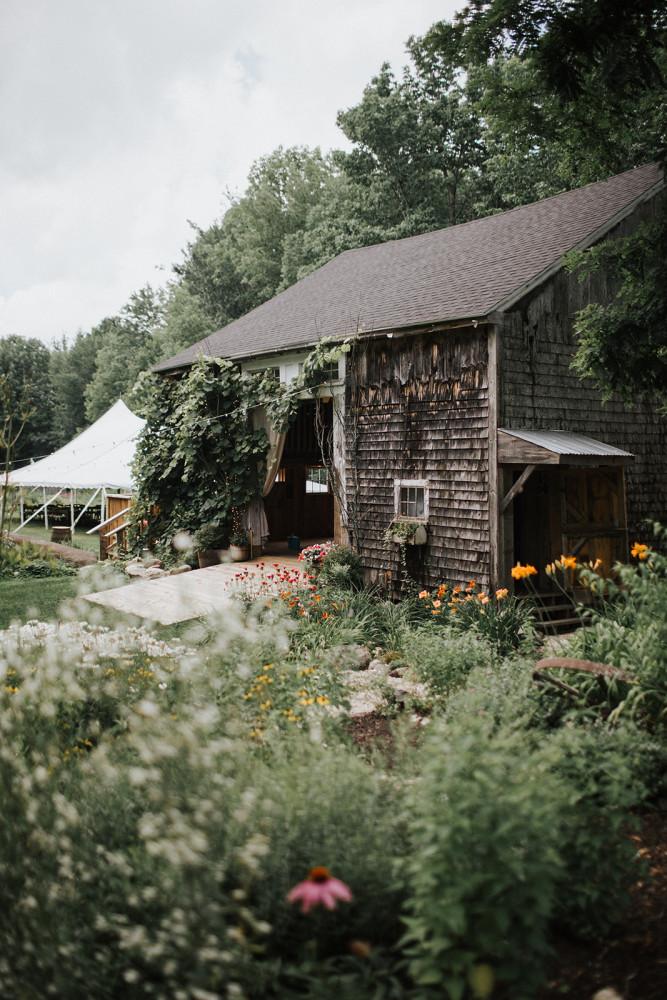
(301, 502)
(572, 512)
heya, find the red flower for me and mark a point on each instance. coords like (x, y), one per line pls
(318, 888)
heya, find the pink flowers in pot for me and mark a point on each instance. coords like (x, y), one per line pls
(318, 888)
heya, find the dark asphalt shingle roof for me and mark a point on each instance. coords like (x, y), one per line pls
(462, 272)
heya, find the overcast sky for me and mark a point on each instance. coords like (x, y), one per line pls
(122, 119)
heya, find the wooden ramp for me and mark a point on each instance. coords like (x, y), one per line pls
(179, 598)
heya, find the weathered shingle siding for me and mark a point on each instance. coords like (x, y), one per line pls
(419, 410)
(539, 390)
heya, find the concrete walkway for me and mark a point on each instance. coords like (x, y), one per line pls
(187, 595)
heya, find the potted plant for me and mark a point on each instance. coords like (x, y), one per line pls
(212, 542)
(239, 546)
(404, 531)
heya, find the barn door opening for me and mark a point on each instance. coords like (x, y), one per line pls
(301, 502)
(570, 511)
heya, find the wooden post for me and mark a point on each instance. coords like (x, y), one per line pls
(493, 388)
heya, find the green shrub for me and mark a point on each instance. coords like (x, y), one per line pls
(506, 693)
(155, 859)
(606, 773)
(513, 831)
(485, 864)
(443, 661)
(634, 640)
(342, 568)
(212, 536)
(25, 560)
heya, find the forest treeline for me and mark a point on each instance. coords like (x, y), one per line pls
(501, 107)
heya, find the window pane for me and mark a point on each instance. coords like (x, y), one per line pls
(411, 502)
(317, 480)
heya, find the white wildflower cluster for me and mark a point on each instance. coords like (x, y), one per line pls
(94, 640)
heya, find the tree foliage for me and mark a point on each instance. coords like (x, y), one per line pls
(416, 141)
(584, 80)
(237, 263)
(72, 368)
(623, 345)
(24, 370)
(587, 77)
(128, 347)
(573, 44)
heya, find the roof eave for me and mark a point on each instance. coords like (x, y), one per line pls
(307, 345)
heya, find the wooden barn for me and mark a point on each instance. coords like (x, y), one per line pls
(457, 406)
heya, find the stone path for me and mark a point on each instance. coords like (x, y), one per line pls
(179, 598)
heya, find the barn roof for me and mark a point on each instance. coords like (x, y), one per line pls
(463, 272)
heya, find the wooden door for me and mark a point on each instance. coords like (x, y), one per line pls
(593, 515)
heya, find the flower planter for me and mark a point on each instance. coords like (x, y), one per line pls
(418, 537)
(213, 557)
(239, 553)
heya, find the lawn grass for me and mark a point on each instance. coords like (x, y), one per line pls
(23, 600)
(80, 540)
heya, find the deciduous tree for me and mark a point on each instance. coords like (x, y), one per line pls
(24, 367)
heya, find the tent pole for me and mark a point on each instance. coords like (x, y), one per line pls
(71, 512)
(39, 510)
(88, 504)
(103, 510)
(21, 505)
(46, 513)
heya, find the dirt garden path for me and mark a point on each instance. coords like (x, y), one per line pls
(79, 557)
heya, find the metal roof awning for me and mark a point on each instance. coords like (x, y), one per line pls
(521, 447)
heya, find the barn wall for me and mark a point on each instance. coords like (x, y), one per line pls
(539, 390)
(418, 409)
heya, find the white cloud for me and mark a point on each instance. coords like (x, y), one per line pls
(122, 119)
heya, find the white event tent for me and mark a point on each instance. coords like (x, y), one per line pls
(99, 458)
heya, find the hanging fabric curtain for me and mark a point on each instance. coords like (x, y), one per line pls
(276, 444)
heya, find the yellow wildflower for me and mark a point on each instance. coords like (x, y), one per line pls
(568, 562)
(640, 551)
(501, 593)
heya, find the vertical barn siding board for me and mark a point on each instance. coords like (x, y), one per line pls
(420, 407)
(539, 389)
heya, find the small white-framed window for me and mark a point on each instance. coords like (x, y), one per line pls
(317, 479)
(411, 499)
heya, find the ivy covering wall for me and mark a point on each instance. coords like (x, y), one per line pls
(199, 459)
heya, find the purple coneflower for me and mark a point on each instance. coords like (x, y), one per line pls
(318, 888)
